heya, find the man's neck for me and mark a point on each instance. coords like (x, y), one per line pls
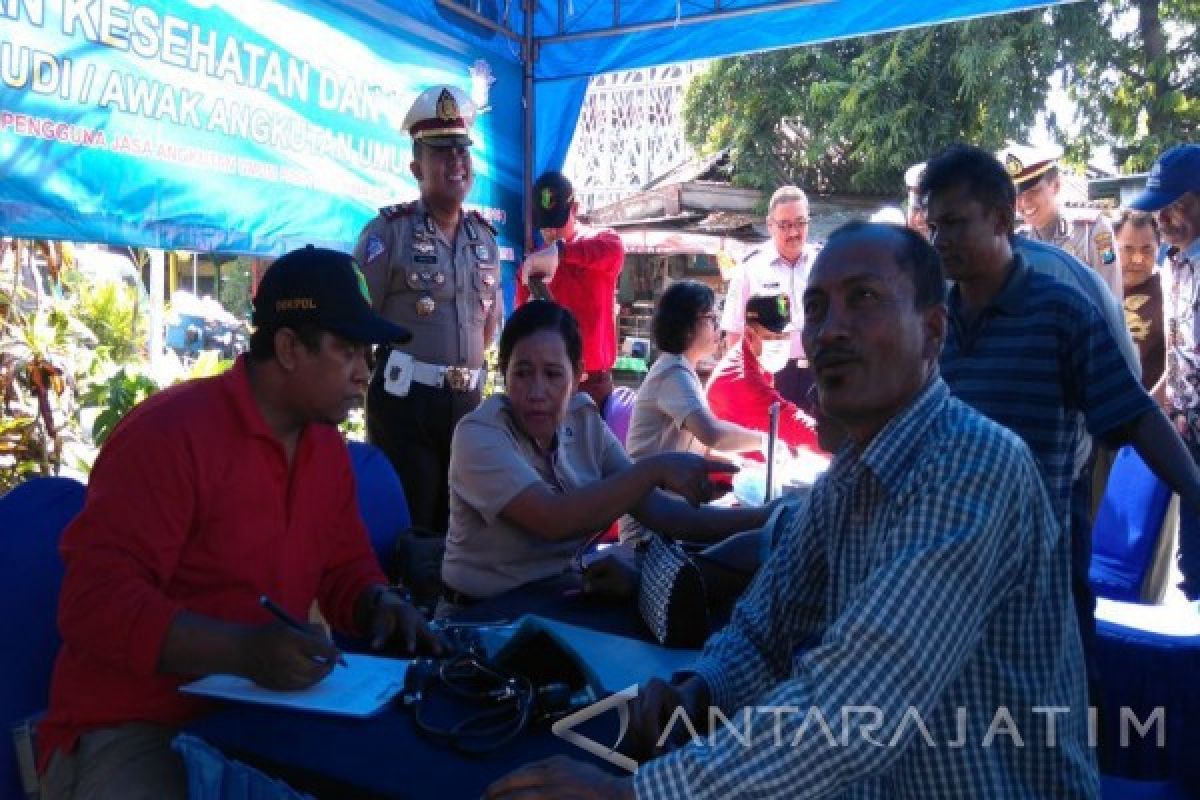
(1050, 228)
(266, 386)
(980, 290)
(445, 216)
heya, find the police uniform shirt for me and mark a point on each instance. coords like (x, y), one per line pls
(1088, 238)
(442, 290)
(491, 462)
(764, 271)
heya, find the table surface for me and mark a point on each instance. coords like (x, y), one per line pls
(383, 755)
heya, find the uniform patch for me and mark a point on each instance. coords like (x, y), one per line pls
(424, 247)
(1104, 247)
(482, 253)
(374, 248)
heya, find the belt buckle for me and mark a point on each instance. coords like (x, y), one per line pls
(458, 379)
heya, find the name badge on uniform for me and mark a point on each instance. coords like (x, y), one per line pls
(398, 374)
(423, 246)
(424, 259)
(482, 253)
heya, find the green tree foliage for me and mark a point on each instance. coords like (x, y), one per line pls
(853, 115)
(1132, 69)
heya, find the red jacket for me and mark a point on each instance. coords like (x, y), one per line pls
(586, 284)
(741, 391)
(191, 506)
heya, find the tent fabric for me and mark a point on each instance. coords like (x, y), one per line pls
(691, 30)
(116, 193)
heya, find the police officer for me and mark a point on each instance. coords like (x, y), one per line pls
(434, 269)
(915, 209)
(1084, 233)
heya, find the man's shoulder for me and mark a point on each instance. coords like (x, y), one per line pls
(964, 435)
(398, 211)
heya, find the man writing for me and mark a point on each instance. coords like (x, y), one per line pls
(742, 389)
(206, 497)
(927, 575)
(581, 272)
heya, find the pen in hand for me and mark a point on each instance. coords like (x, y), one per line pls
(290, 621)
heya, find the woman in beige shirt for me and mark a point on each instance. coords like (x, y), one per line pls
(535, 471)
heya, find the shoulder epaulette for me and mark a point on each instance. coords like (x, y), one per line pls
(397, 211)
(482, 220)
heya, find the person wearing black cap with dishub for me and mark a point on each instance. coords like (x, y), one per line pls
(581, 267)
(433, 268)
(742, 389)
(1173, 194)
(207, 497)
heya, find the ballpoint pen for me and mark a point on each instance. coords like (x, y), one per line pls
(290, 621)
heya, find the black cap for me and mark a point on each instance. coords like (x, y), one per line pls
(323, 288)
(553, 195)
(772, 311)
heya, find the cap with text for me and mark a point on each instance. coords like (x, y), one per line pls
(321, 288)
(441, 116)
(1174, 174)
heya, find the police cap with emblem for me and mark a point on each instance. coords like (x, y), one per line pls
(324, 289)
(1174, 174)
(441, 117)
(1026, 165)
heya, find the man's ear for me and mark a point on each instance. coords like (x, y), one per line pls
(414, 166)
(1006, 219)
(934, 323)
(286, 343)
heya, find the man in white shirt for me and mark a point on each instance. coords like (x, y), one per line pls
(779, 266)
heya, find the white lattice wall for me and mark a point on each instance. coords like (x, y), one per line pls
(630, 130)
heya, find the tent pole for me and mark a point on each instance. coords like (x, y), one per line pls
(529, 55)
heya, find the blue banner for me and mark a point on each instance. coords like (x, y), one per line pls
(248, 126)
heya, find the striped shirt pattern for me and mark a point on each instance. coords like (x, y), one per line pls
(926, 579)
(1038, 360)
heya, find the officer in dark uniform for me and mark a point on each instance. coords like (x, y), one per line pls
(434, 269)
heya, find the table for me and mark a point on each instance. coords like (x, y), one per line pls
(383, 756)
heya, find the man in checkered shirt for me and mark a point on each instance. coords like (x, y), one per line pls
(912, 635)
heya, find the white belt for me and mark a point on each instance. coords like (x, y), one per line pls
(460, 379)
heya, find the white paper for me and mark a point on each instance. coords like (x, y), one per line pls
(359, 689)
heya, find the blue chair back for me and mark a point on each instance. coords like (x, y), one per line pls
(32, 517)
(1127, 528)
(381, 500)
(618, 410)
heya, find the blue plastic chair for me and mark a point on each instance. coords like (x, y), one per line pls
(32, 517)
(1127, 528)
(618, 411)
(381, 500)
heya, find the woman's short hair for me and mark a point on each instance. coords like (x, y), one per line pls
(676, 314)
(541, 315)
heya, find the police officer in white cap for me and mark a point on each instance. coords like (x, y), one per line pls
(915, 217)
(434, 269)
(1084, 233)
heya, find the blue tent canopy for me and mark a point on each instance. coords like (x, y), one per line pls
(252, 127)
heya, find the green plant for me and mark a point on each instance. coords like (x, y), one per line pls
(112, 311)
(120, 392)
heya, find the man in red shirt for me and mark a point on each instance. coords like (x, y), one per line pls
(742, 387)
(208, 496)
(584, 280)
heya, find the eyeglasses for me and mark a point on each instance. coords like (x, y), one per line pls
(789, 225)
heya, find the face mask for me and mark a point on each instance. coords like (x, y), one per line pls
(775, 355)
